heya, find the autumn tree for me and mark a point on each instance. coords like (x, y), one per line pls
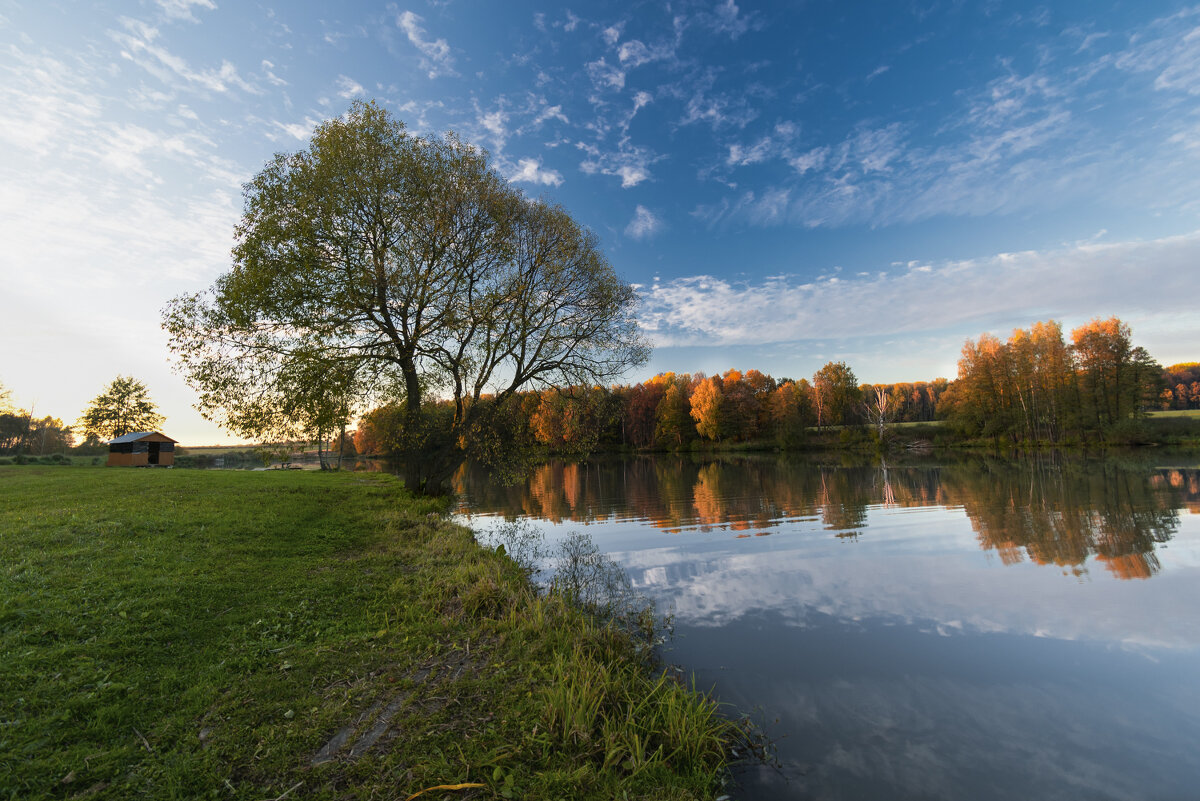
(1116, 379)
(673, 424)
(1183, 382)
(761, 387)
(737, 406)
(375, 434)
(641, 410)
(574, 419)
(836, 393)
(1036, 387)
(706, 401)
(122, 408)
(792, 411)
(413, 264)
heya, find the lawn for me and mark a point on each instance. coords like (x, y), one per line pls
(261, 635)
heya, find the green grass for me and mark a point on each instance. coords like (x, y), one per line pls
(1193, 414)
(211, 634)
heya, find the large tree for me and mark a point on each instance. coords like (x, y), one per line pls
(409, 263)
(123, 407)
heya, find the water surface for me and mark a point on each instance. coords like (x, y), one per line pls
(974, 628)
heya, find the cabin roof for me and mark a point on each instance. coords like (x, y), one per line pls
(138, 435)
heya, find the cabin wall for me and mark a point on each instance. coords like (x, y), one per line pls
(128, 459)
(140, 457)
(137, 454)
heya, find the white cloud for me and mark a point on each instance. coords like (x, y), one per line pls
(349, 88)
(549, 112)
(297, 130)
(875, 149)
(718, 110)
(436, 56)
(635, 53)
(611, 34)
(494, 122)
(630, 164)
(1146, 279)
(1012, 98)
(272, 78)
(138, 43)
(643, 225)
(531, 171)
(809, 160)
(632, 175)
(182, 9)
(740, 156)
(605, 75)
(1169, 47)
(104, 216)
(727, 18)
(877, 175)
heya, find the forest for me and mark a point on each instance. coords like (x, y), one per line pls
(1036, 387)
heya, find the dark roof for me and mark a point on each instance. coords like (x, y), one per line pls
(135, 436)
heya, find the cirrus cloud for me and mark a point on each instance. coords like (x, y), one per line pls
(644, 224)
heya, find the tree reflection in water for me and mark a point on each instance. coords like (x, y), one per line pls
(1049, 509)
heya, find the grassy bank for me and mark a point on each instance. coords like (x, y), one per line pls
(188, 634)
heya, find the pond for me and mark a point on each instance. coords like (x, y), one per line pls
(925, 629)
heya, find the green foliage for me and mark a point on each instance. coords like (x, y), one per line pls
(836, 394)
(379, 265)
(122, 408)
(672, 425)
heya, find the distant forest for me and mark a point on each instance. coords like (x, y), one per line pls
(1035, 387)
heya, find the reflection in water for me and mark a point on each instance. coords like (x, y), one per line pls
(906, 628)
(1046, 509)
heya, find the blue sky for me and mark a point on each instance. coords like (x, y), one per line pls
(786, 185)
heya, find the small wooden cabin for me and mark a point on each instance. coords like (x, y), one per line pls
(141, 449)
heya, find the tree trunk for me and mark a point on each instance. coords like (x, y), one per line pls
(341, 444)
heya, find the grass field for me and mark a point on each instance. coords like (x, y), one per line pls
(1191, 414)
(171, 634)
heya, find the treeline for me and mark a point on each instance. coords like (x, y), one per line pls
(1035, 387)
(1182, 390)
(1038, 388)
(22, 432)
(675, 410)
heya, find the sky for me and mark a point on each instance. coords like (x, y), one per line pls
(785, 184)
